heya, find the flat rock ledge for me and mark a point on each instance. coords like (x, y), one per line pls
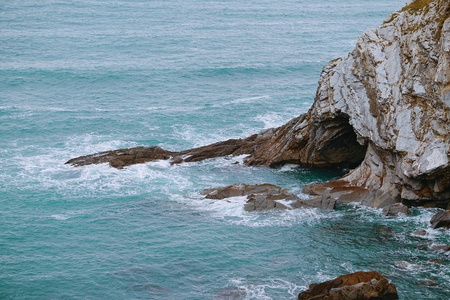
(354, 286)
(266, 196)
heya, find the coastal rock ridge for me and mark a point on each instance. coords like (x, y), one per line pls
(384, 110)
(354, 286)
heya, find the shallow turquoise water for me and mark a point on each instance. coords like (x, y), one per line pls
(87, 76)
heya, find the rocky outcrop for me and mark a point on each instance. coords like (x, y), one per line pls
(355, 286)
(395, 209)
(441, 219)
(383, 109)
(125, 157)
(266, 196)
(392, 93)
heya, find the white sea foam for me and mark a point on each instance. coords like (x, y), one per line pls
(60, 217)
(288, 168)
(263, 290)
(272, 120)
(242, 101)
(38, 108)
(249, 99)
(232, 210)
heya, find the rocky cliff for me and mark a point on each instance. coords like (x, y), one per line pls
(383, 109)
(388, 100)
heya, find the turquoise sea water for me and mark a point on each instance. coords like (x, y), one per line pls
(78, 77)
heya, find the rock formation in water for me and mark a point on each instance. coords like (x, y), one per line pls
(125, 157)
(359, 285)
(396, 209)
(383, 109)
(267, 196)
(441, 219)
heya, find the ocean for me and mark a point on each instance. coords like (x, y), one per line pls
(79, 77)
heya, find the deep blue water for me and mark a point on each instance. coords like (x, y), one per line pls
(78, 77)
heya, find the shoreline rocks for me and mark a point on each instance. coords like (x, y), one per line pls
(441, 219)
(358, 285)
(396, 209)
(266, 196)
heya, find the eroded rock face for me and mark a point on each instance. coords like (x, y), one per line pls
(384, 109)
(266, 196)
(354, 286)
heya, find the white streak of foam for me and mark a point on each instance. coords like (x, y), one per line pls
(60, 217)
(249, 99)
(288, 168)
(260, 291)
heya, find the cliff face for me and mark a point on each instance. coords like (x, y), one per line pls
(384, 109)
(388, 101)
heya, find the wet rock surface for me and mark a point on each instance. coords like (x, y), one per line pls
(123, 157)
(419, 232)
(356, 286)
(441, 248)
(396, 209)
(401, 264)
(138, 155)
(441, 219)
(266, 196)
(230, 294)
(428, 282)
(384, 109)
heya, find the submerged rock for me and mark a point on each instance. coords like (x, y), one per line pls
(441, 248)
(428, 282)
(395, 209)
(359, 285)
(402, 264)
(266, 196)
(384, 109)
(230, 294)
(384, 231)
(422, 247)
(441, 219)
(419, 232)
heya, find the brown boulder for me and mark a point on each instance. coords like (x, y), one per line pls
(395, 209)
(441, 219)
(354, 286)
